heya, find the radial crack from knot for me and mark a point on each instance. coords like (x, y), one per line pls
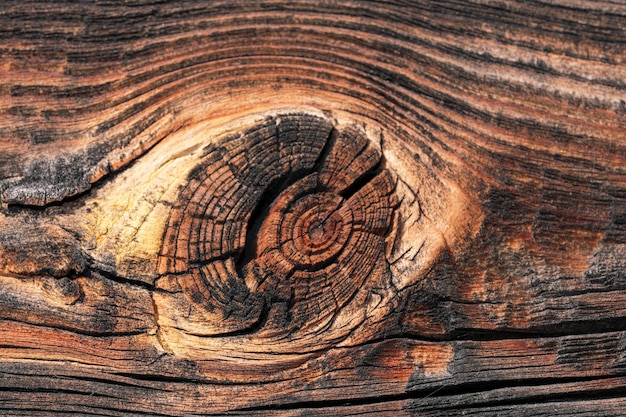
(292, 211)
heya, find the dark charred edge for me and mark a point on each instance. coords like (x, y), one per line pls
(116, 383)
(86, 187)
(94, 272)
(159, 379)
(476, 388)
(59, 391)
(269, 195)
(322, 404)
(33, 412)
(70, 200)
(12, 209)
(97, 334)
(571, 328)
(45, 409)
(472, 335)
(416, 397)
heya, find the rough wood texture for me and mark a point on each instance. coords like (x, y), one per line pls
(346, 208)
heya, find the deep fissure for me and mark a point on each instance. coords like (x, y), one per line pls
(264, 205)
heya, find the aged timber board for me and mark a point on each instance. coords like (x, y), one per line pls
(305, 208)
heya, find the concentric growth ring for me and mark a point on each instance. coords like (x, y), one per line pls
(292, 212)
(309, 227)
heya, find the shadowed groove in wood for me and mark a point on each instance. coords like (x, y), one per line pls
(291, 211)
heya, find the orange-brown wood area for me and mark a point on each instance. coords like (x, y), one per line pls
(312, 208)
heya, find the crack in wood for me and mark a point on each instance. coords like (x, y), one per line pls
(278, 210)
(498, 280)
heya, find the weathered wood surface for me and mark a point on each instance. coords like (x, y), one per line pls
(261, 208)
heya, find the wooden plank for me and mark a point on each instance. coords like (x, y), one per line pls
(273, 207)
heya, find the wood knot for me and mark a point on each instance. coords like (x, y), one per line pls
(279, 226)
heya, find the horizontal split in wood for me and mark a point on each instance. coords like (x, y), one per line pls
(366, 377)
